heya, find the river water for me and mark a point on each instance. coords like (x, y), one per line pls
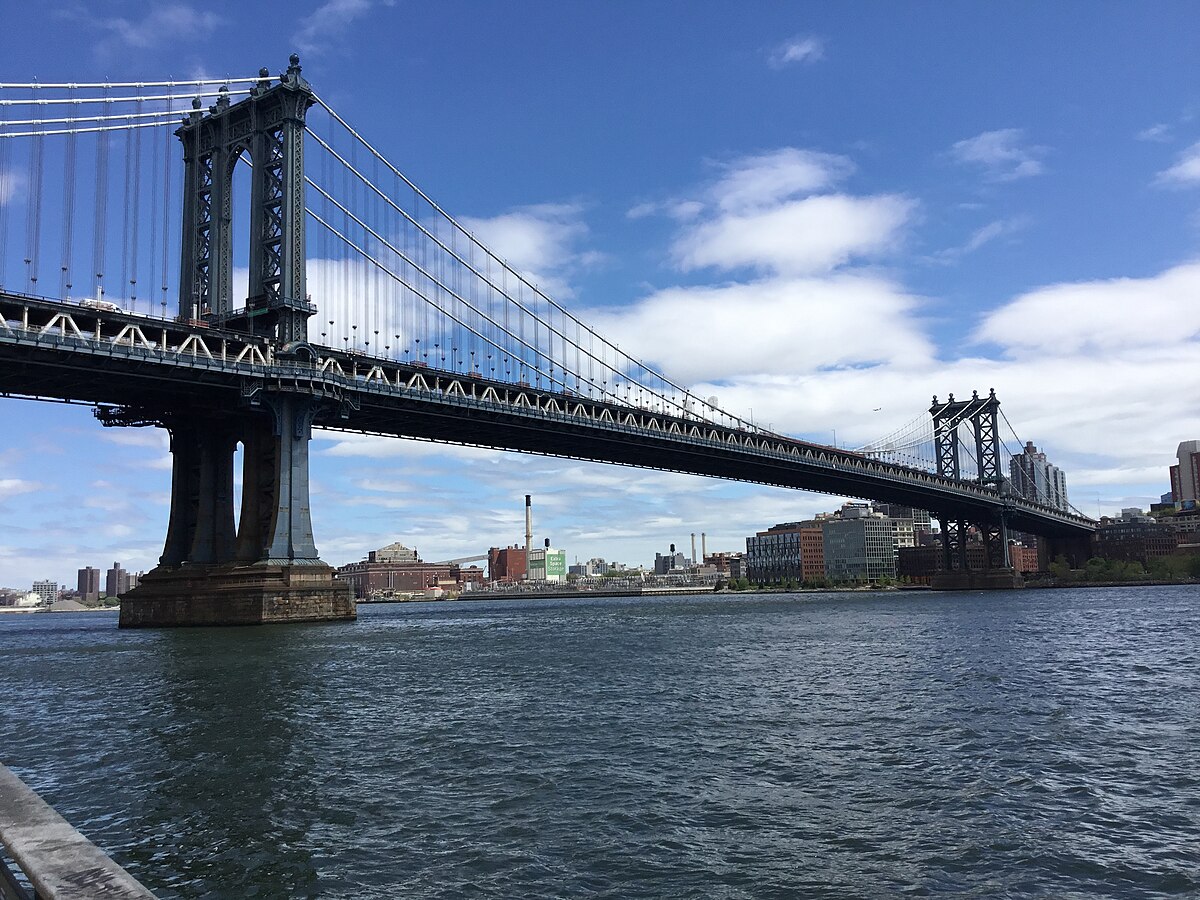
(1036, 743)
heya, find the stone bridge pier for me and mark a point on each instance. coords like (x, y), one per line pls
(265, 570)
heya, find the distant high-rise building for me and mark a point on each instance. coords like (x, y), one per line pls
(1036, 478)
(1185, 474)
(89, 584)
(116, 581)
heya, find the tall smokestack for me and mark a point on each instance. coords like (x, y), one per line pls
(528, 530)
(693, 548)
(703, 546)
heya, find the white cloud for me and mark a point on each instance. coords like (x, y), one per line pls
(1185, 172)
(755, 182)
(797, 50)
(10, 185)
(765, 212)
(1001, 154)
(774, 326)
(815, 234)
(159, 26)
(329, 21)
(12, 487)
(1099, 316)
(681, 210)
(1159, 132)
(982, 236)
(539, 241)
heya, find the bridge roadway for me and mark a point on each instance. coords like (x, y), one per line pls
(56, 350)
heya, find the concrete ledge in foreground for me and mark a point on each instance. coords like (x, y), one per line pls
(59, 862)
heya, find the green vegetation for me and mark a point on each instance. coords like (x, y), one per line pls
(1179, 567)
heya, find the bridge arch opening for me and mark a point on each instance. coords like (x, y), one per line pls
(240, 222)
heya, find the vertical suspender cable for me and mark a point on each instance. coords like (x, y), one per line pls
(135, 203)
(153, 225)
(33, 216)
(7, 189)
(100, 221)
(68, 219)
(126, 196)
(166, 208)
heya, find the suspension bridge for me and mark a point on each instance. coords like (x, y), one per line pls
(351, 300)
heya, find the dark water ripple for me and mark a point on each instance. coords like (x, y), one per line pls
(1011, 745)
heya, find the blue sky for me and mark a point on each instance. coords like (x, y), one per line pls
(811, 210)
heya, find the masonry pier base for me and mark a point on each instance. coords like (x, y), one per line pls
(257, 594)
(998, 579)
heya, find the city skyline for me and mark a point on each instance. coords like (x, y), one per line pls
(924, 234)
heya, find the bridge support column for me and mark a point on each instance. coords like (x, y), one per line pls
(957, 575)
(271, 572)
(213, 539)
(185, 495)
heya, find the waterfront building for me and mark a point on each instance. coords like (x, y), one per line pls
(507, 564)
(47, 591)
(547, 564)
(1184, 525)
(860, 546)
(116, 581)
(1185, 475)
(1133, 538)
(1035, 478)
(397, 569)
(89, 584)
(792, 551)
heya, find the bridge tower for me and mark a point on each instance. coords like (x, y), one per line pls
(267, 569)
(981, 415)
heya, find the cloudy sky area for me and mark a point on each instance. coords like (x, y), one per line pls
(823, 214)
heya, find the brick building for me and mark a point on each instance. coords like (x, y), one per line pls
(1133, 538)
(507, 564)
(390, 570)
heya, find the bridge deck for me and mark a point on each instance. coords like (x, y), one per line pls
(54, 350)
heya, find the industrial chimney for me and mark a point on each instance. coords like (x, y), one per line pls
(703, 547)
(693, 548)
(528, 531)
